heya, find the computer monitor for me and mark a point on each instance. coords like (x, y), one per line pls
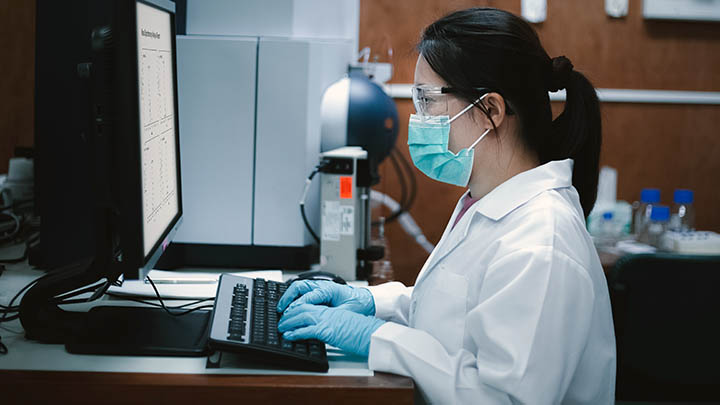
(158, 128)
(107, 129)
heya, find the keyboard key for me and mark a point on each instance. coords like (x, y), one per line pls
(258, 324)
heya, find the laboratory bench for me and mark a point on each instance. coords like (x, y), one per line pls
(45, 373)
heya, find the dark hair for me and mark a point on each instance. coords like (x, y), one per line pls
(490, 48)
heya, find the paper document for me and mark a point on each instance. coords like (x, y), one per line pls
(185, 285)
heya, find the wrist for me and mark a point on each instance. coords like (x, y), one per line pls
(369, 300)
(372, 325)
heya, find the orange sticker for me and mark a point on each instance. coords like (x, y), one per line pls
(345, 187)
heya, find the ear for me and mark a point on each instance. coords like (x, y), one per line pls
(494, 103)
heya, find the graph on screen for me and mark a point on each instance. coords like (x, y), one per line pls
(157, 120)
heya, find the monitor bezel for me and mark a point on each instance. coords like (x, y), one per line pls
(136, 261)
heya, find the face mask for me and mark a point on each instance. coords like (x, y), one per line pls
(428, 138)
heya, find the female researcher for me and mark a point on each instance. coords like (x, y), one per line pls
(512, 304)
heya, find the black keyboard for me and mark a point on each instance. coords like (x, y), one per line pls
(244, 321)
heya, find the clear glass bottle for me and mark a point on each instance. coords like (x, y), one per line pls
(682, 217)
(382, 270)
(658, 224)
(649, 197)
(606, 234)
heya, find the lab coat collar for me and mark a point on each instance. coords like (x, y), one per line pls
(499, 202)
(524, 186)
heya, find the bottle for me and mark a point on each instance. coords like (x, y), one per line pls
(648, 198)
(606, 232)
(382, 270)
(682, 218)
(658, 224)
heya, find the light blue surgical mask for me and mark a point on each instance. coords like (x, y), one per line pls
(428, 138)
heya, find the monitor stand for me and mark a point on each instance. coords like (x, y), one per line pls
(138, 331)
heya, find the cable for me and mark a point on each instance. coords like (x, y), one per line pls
(124, 297)
(411, 176)
(308, 182)
(9, 318)
(15, 231)
(307, 224)
(403, 192)
(401, 178)
(62, 299)
(162, 303)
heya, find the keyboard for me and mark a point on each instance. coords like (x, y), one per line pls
(244, 321)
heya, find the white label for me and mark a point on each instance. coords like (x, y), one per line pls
(347, 225)
(331, 219)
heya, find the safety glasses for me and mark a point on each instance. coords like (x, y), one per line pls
(433, 100)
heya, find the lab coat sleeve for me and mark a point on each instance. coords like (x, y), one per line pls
(528, 331)
(392, 301)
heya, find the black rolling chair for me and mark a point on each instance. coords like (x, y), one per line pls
(666, 309)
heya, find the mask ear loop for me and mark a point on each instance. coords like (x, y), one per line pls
(474, 103)
(479, 139)
(466, 109)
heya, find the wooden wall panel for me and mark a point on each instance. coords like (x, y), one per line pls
(659, 145)
(17, 76)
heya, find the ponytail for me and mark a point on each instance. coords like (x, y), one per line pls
(577, 130)
(491, 48)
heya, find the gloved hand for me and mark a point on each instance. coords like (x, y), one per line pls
(328, 293)
(339, 327)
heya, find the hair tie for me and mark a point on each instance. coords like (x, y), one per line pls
(561, 69)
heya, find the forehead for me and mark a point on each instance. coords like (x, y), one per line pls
(425, 75)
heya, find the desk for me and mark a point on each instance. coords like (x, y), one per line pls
(39, 373)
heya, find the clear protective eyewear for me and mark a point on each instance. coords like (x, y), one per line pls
(433, 100)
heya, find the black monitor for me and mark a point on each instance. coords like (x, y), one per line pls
(106, 130)
(108, 169)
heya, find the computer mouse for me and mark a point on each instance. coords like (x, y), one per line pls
(319, 275)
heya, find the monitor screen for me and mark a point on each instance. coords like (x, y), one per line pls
(160, 199)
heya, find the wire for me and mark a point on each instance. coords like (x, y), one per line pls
(162, 303)
(9, 318)
(308, 182)
(403, 191)
(15, 231)
(401, 178)
(411, 176)
(124, 297)
(61, 299)
(307, 224)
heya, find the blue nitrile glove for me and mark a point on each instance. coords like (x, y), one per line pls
(339, 327)
(328, 293)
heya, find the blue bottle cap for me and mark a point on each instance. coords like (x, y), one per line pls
(607, 215)
(650, 195)
(660, 213)
(683, 196)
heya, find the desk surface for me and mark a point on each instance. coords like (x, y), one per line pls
(39, 373)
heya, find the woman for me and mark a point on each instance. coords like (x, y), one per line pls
(512, 305)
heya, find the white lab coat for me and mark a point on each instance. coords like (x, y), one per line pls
(512, 305)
